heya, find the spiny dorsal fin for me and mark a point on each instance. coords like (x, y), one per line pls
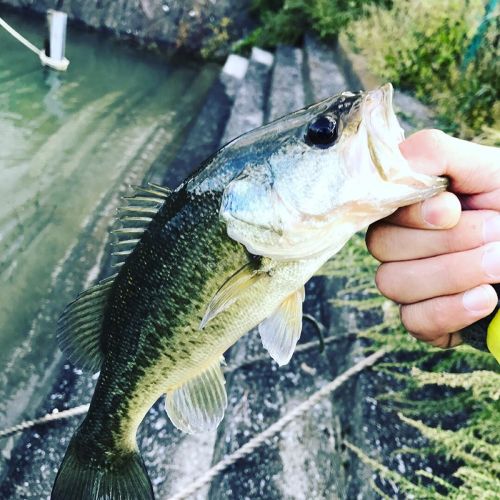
(199, 404)
(79, 327)
(134, 217)
(231, 291)
(280, 332)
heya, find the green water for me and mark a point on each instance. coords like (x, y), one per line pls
(69, 142)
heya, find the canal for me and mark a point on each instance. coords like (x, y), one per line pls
(70, 144)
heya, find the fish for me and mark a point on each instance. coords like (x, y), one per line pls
(229, 250)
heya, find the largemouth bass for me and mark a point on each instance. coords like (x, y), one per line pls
(231, 248)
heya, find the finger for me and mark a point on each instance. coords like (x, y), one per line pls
(443, 341)
(387, 242)
(441, 212)
(432, 320)
(448, 341)
(412, 281)
(482, 200)
(472, 168)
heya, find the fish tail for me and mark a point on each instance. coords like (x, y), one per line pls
(123, 477)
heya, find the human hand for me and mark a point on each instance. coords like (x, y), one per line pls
(440, 256)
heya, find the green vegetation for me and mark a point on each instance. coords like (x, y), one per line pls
(421, 46)
(462, 427)
(286, 21)
(218, 43)
(426, 48)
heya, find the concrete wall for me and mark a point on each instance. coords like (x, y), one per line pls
(194, 26)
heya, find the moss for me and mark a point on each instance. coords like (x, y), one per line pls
(217, 44)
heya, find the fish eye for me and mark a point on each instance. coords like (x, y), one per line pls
(322, 131)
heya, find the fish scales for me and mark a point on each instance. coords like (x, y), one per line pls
(151, 326)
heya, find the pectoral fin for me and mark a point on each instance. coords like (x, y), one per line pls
(231, 291)
(198, 405)
(280, 332)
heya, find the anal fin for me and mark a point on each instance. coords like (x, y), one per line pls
(199, 404)
(280, 332)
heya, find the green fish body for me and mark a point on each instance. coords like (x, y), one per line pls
(228, 250)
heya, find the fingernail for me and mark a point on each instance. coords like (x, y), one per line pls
(477, 299)
(491, 229)
(434, 213)
(491, 261)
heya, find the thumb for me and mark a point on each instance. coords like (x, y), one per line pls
(473, 169)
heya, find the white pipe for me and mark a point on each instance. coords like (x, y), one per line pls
(57, 22)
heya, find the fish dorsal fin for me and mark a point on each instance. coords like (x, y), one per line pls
(134, 217)
(79, 327)
(199, 404)
(280, 332)
(231, 291)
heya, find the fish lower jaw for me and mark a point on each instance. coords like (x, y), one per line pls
(420, 194)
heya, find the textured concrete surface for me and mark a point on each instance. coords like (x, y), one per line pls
(287, 87)
(323, 75)
(250, 101)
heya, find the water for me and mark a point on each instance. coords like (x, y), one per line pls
(69, 144)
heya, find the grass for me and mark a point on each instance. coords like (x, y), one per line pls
(448, 57)
(462, 426)
(447, 53)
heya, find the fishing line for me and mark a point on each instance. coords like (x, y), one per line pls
(257, 441)
(82, 409)
(254, 443)
(49, 417)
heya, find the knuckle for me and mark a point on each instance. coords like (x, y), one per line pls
(435, 137)
(442, 342)
(449, 282)
(409, 216)
(437, 313)
(374, 241)
(408, 321)
(451, 239)
(412, 215)
(425, 321)
(479, 221)
(488, 258)
(382, 282)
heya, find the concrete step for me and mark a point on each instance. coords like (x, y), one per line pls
(234, 105)
(249, 106)
(323, 76)
(287, 86)
(205, 133)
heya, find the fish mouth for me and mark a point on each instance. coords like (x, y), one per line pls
(384, 135)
